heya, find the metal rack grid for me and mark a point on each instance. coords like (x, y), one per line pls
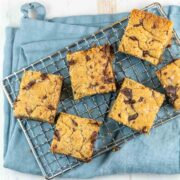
(112, 134)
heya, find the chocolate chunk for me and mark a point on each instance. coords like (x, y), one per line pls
(165, 73)
(16, 100)
(119, 114)
(44, 76)
(93, 136)
(29, 85)
(93, 85)
(144, 129)
(134, 38)
(127, 92)
(130, 101)
(132, 117)
(44, 97)
(154, 26)
(92, 77)
(29, 111)
(71, 62)
(50, 107)
(74, 122)
(51, 118)
(141, 99)
(140, 23)
(145, 53)
(168, 46)
(107, 80)
(171, 93)
(57, 134)
(90, 66)
(88, 58)
(54, 147)
(102, 87)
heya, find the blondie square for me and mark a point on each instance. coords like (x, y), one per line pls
(136, 106)
(38, 96)
(146, 36)
(169, 77)
(75, 136)
(91, 71)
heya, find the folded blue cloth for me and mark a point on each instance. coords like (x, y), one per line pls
(35, 38)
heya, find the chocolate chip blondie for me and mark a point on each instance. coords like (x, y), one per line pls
(38, 96)
(136, 106)
(91, 71)
(75, 136)
(146, 36)
(169, 77)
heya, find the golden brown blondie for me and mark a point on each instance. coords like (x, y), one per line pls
(136, 106)
(91, 71)
(146, 36)
(38, 96)
(169, 77)
(75, 136)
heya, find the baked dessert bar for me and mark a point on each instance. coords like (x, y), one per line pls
(91, 71)
(169, 77)
(136, 106)
(38, 96)
(75, 136)
(146, 36)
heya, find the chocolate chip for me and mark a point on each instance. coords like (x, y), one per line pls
(127, 92)
(71, 62)
(145, 53)
(29, 85)
(50, 107)
(171, 93)
(88, 58)
(144, 129)
(44, 97)
(130, 101)
(133, 38)
(119, 114)
(74, 122)
(132, 117)
(93, 136)
(57, 134)
(141, 99)
(165, 73)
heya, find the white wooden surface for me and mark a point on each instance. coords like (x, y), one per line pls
(10, 15)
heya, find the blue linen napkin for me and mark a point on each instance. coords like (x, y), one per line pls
(35, 38)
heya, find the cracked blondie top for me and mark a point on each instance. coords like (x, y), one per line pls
(75, 136)
(91, 71)
(169, 77)
(136, 106)
(38, 96)
(146, 36)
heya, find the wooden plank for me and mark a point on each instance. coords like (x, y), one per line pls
(106, 6)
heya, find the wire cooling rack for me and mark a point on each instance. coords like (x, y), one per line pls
(112, 134)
